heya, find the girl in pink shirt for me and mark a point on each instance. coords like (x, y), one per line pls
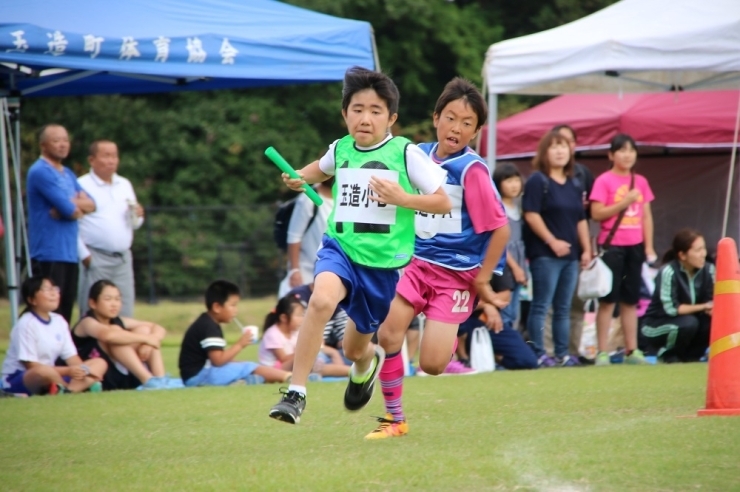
(277, 348)
(615, 191)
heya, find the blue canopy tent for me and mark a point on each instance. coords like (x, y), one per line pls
(78, 47)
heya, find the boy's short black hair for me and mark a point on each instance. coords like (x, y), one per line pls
(358, 79)
(219, 292)
(460, 88)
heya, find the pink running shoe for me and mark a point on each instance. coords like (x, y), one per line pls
(455, 367)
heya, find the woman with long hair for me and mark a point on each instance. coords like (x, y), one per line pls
(556, 240)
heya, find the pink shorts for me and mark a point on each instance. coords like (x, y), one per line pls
(443, 295)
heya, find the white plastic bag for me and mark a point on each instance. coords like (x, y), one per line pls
(481, 350)
(595, 280)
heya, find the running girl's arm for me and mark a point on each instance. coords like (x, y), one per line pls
(219, 358)
(112, 334)
(496, 248)
(488, 215)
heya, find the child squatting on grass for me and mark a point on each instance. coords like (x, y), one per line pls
(370, 234)
(37, 340)
(204, 358)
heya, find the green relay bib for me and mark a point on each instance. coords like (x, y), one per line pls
(372, 234)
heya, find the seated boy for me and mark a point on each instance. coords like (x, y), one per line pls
(510, 349)
(204, 358)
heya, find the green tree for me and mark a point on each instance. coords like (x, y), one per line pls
(206, 148)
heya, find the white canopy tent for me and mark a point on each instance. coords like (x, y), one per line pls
(630, 46)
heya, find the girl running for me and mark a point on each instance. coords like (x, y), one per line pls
(454, 256)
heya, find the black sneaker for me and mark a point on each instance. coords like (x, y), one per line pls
(357, 395)
(290, 407)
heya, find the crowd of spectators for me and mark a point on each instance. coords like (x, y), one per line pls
(81, 231)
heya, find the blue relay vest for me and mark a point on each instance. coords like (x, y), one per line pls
(449, 240)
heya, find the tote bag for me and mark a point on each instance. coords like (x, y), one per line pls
(481, 350)
(595, 280)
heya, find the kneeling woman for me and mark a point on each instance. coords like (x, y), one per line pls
(40, 338)
(129, 346)
(678, 319)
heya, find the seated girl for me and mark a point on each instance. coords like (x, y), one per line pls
(129, 346)
(678, 319)
(281, 334)
(37, 340)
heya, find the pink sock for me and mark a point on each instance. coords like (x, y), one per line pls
(391, 382)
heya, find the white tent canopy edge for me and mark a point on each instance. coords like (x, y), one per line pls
(630, 46)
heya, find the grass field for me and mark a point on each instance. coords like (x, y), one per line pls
(586, 429)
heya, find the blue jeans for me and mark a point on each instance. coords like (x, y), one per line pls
(223, 375)
(510, 313)
(553, 283)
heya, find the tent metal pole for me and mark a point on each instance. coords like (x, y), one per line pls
(10, 265)
(491, 135)
(733, 159)
(59, 81)
(375, 50)
(21, 239)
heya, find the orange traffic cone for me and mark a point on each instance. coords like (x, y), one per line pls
(723, 385)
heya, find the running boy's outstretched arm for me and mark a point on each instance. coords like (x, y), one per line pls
(392, 193)
(311, 174)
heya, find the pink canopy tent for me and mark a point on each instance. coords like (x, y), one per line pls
(685, 141)
(674, 119)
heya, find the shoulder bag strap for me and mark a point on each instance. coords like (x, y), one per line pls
(613, 231)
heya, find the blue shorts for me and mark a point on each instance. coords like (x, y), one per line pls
(223, 375)
(369, 290)
(13, 383)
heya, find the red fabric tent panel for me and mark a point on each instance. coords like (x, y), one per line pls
(691, 119)
(686, 119)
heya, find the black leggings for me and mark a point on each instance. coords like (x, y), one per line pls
(683, 338)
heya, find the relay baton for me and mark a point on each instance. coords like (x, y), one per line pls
(281, 163)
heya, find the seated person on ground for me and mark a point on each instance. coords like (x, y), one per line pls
(509, 348)
(130, 347)
(281, 334)
(38, 339)
(204, 358)
(334, 329)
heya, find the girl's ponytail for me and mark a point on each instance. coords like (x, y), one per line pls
(285, 306)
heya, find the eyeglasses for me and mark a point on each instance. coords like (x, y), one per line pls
(53, 288)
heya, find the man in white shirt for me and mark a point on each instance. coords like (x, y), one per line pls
(107, 234)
